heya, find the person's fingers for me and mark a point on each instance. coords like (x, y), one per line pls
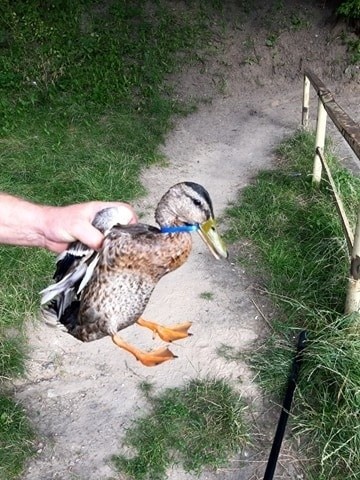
(88, 235)
(56, 247)
(74, 222)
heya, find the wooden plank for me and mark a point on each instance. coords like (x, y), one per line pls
(349, 129)
(306, 103)
(319, 141)
(352, 303)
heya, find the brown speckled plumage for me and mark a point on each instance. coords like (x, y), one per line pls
(126, 269)
(132, 260)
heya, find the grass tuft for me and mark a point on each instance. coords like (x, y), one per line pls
(297, 231)
(303, 260)
(199, 425)
(207, 295)
(16, 437)
(329, 400)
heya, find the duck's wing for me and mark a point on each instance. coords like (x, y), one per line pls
(134, 229)
(68, 259)
(75, 266)
(73, 270)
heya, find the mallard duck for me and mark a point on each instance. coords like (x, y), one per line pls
(100, 293)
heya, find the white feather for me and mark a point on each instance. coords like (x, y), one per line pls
(89, 271)
(66, 283)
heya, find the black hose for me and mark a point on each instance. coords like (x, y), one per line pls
(286, 406)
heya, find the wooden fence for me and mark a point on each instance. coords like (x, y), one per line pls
(327, 106)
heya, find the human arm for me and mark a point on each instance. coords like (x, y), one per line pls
(29, 224)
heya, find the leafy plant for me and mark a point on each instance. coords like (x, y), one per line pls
(271, 40)
(350, 8)
(354, 50)
(298, 21)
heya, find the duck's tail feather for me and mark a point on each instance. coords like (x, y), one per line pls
(67, 320)
(67, 283)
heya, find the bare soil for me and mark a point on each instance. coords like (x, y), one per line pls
(82, 397)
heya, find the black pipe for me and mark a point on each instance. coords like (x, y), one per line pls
(286, 406)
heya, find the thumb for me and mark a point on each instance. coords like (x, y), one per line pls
(90, 236)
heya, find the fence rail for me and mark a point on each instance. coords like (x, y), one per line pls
(345, 124)
(350, 130)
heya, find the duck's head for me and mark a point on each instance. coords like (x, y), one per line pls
(189, 204)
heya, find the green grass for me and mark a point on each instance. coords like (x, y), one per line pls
(199, 425)
(84, 99)
(84, 106)
(353, 46)
(207, 295)
(304, 263)
(15, 438)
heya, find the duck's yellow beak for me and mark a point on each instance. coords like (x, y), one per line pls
(211, 237)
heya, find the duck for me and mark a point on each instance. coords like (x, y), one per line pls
(99, 293)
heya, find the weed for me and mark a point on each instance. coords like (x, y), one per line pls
(199, 425)
(354, 51)
(251, 57)
(229, 353)
(252, 60)
(207, 295)
(298, 22)
(271, 40)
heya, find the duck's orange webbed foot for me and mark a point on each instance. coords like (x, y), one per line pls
(149, 359)
(168, 334)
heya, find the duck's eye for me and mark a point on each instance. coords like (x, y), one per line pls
(196, 202)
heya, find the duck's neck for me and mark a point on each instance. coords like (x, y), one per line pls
(166, 217)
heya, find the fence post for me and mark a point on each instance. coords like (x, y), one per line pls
(319, 141)
(352, 303)
(306, 103)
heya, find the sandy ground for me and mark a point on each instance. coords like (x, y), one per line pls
(82, 397)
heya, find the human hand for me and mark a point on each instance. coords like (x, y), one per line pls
(63, 225)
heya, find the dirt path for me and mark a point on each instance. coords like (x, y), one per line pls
(81, 397)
